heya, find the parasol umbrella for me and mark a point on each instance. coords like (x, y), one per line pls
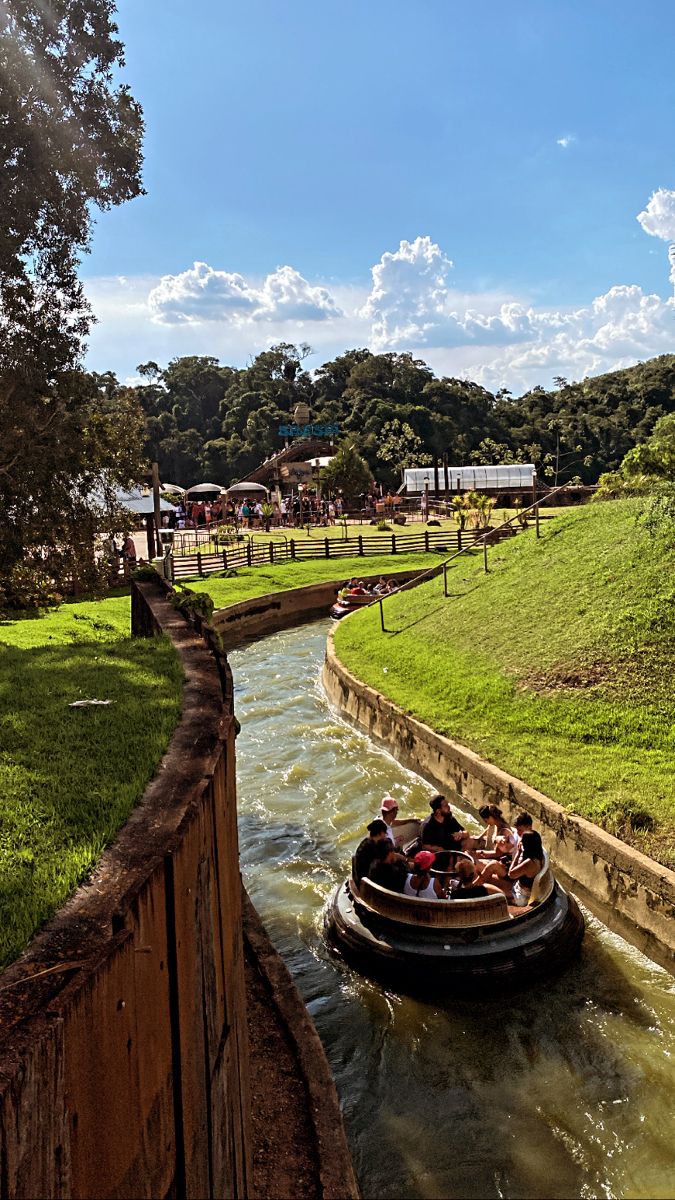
(204, 489)
(171, 487)
(246, 489)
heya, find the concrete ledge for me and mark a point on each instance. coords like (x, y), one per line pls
(336, 1173)
(629, 892)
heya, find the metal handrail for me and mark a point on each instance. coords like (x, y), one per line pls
(433, 571)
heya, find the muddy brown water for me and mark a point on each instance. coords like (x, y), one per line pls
(565, 1091)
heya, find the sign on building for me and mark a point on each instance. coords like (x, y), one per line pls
(308, 431)
(295, 473)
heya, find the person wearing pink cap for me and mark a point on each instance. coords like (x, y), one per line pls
(388, 813)
(421, 883)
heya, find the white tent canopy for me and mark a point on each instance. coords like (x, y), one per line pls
(142, 503)
(246, 489)
(204, 489)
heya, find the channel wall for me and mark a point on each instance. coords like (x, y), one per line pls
(123, 1043)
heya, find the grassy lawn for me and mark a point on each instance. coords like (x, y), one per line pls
(70, 777)
(282, 577)
(558, 666)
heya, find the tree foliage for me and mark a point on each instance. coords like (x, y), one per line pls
(62, 458)
(348, 473)
(70, 142)
(208, 421)
(70, 138)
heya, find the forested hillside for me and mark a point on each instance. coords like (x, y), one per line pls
(208, 421)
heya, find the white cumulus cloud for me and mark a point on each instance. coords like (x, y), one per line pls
(565, 141)
(204, 294)
(496, 338)
(658, 218)
(200, 294)
(286, 296)
(410, 303)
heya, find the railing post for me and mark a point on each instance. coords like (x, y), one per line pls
(382, 617)
(249, 554)
(224, 560)
(326, 542)
(271, 552)
(426, 540)
(361, 545)
(445, 580)
(393, 543)
(199, 562)
(459, 541)
(536, 519)
(485, 563)
(292, 545)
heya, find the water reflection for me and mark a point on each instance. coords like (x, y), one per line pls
(563, 1092)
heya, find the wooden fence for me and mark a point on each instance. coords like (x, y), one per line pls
(254, 554)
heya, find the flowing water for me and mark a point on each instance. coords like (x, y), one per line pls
(562, 1092)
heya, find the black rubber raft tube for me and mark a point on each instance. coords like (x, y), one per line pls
(510, 954)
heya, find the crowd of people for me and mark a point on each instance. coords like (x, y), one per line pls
(448, 862)
(295, 510)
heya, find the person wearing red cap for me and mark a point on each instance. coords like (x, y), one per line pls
(421, 883)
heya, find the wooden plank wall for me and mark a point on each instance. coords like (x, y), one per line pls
(123, 1071)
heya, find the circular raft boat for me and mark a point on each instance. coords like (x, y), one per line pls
(474, 945)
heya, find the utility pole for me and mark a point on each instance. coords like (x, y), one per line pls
(155, 501)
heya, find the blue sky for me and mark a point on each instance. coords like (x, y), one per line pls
(518, 141)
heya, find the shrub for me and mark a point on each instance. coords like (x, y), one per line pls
(382, 527)
(144, 573)
(27, 587)
(191, 604)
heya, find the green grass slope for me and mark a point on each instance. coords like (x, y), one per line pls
(558, 665)
(70, 777)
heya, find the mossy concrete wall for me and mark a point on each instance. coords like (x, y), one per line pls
(279, 610)
(123, 1048)
(631, 893)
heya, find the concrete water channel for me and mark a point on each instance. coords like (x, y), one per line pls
(559, 1092)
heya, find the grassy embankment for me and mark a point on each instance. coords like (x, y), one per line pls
(558, 666)
(248, 582)
(69, 777)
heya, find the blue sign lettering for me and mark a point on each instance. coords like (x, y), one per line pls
(308, 431)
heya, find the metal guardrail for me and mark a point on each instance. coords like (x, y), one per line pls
(492, 534)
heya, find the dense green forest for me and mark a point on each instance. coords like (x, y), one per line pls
(207, 421)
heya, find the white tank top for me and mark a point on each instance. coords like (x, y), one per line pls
(426, 893)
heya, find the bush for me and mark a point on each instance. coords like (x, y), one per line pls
(144, 573)
(382, 527)
(27, 587)
(192, 604)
